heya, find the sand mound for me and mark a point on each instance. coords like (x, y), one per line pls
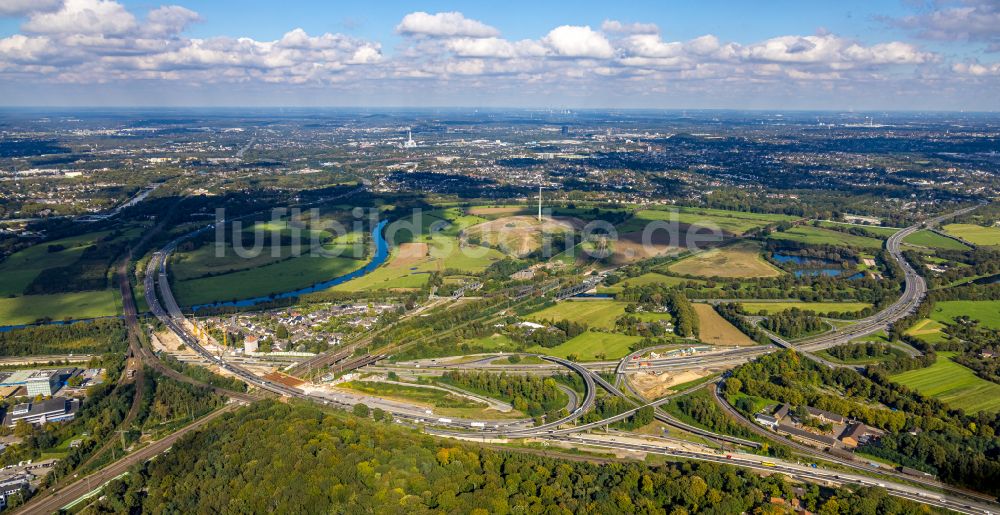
(654, 386)
(519, 235)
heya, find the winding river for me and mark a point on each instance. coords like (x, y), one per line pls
(381, 255)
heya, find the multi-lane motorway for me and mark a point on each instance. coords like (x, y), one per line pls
(913, 293)
(170, 314)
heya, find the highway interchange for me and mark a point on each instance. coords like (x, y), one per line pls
(163, 306)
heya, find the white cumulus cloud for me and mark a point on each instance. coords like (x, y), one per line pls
(578, 41)
(447, 24)
(170, 19)
(83, 17)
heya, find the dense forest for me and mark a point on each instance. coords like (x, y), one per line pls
(280, 458)
(93, 337)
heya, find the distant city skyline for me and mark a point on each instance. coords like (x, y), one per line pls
(879, 55)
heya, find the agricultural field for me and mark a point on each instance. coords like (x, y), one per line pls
(203, 261)
(630, 247)
(21, 269)
(715, 330)
(27, 309)
(644, 279)
(884, 232)
(928, 330)
(591, 346)
(287, 275)
(820, 236)
(18, 270)
(739, 260)
(595, 313)
(986, 311)
(819, 307)
(410, 264)
(494, 212)
(953, 384)
(975, 234)
(731, 222)
(933, 240)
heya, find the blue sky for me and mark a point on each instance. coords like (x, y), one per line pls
(889, 54)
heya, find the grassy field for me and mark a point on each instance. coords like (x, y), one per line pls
(491, 343)
(986, 311)
(595, 313)
(60, 306)
(444, 403)
(884, 232)
(591, 346)
(879, 336)
(819, 307)
(739, 260)
(820, 236)
(953, 384)
(715, 330)
(404, 270)
(644, 279)
(975, 234)
(934, 240)
(732, 222)
(279, 277)
(18, 270)
(928, 330)
(409, 266)
(203, 261)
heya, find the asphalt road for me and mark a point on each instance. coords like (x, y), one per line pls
(913, 293)
(914, 290)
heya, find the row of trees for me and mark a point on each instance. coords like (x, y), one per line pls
(686, 320)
